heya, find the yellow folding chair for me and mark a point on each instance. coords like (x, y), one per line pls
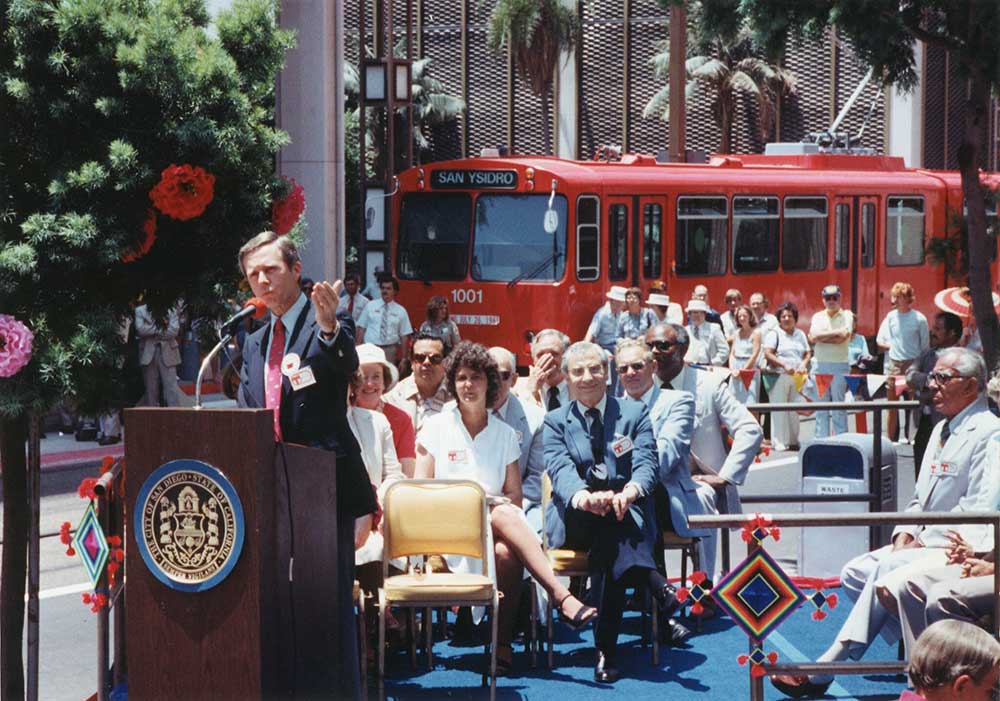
(415, 513)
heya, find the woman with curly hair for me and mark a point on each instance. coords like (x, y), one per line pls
(469, 442)
(439, 324)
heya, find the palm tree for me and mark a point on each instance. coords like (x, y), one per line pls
(536, 32)
(724, 69)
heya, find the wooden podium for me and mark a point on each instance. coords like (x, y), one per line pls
(255, 634)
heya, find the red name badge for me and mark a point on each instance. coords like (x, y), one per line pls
(621, 446)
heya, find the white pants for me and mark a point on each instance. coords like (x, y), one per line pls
(912, 589)
(838, 388)
(860, 579)
(709, 545)
(155, 373)
(784, 424)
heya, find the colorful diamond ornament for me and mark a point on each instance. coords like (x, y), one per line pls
(758, 595)
(91, 544)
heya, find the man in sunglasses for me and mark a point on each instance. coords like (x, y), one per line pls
(716, 473)
(830, 333)
(672, 415)
(526, 420)
(957, 476)
(423, 393)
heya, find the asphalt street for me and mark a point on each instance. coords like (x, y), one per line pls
(68, 651)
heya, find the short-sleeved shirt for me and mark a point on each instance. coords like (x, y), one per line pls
(447, 331)
(824, 323)
(906, 334)
(406, 397)
(397, 326)
(457, 455)
(403, 436)
(630, 326)
(790, 348)
(360, 302)
(604, 327)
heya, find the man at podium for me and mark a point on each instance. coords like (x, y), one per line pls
(299, 364)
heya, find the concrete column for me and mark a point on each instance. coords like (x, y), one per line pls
(310, 108)
(906, 118)
(566, 106)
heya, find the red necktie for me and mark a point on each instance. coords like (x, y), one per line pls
(350, 304)
(272, 379)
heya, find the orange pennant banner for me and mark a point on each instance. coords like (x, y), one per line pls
(747, 376)
(823, 381)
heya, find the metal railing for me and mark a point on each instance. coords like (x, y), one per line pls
(887, 518)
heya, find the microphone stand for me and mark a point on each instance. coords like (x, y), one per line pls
(204, 366)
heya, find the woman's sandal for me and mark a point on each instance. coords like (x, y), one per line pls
(584, 616)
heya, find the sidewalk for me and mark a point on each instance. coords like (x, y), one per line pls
(62, 450)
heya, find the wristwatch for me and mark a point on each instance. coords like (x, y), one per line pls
(329, 336)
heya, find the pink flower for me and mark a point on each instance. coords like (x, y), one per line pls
(15, 345)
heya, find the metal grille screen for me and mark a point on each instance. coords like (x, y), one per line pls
(601, 76)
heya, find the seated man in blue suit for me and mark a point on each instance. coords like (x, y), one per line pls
(601, 456)
(672, 415)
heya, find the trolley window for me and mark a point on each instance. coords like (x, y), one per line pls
(904, 231)
(842, 236)
(510, 243)
(617, 242)
(804, 240)
(702, 235)
(867, 235)
(756, 227)
(652, 240)
(434, 236)
(992, 225)
(588, 244)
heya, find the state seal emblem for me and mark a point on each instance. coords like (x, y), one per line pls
(188, 523)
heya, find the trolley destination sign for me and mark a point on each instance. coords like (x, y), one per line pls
(474, 179)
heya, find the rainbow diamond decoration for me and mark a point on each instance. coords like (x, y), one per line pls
(758, 595)
(91, 544)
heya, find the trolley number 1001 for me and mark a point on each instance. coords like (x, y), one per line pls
(460, 296)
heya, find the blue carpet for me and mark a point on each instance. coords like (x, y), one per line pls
(706, 668)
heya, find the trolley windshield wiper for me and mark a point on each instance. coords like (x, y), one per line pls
(551, 260)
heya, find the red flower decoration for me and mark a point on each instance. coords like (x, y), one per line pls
(818, 615)
(149, 229)
(106, 463)
(86, 488)
(183, 192)
(286, 211)
(66, 538)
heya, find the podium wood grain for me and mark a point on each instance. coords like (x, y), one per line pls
(254, 635)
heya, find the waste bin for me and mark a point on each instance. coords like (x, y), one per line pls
(842, 465)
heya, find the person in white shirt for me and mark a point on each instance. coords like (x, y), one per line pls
(385, 322)
(765, 319)
(469, 442)
(903, 335)
(733, 299)
(787, 351)
(709, 334)
(830, 333)
(352, 301)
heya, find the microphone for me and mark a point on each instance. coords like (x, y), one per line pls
(254, 308)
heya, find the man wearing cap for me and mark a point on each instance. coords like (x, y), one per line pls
(717, 350)
(603, 329)
(830, 333)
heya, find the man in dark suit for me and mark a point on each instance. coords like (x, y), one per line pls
(601, 456)
(300, 364)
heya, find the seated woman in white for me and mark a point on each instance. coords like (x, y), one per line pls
(469, 442)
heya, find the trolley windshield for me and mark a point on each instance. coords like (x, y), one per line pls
(508, 240)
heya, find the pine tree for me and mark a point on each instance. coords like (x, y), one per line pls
(98, 98)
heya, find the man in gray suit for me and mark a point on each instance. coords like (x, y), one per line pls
(672, 415)
(956, 476)
(526, 420)
(716, 472)
(158, 354)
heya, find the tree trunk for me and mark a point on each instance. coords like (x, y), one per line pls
(969, 157)
(13, 435)
(725, 125)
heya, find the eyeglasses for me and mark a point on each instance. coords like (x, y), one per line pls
(421, 358)
(505, 375)
(662, 345)
(638, 366)
(940, 378)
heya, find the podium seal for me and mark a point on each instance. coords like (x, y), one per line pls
(188, 524)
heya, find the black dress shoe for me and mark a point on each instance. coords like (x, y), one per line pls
(799, 686)
(604, 671)
(109, 440)
(666, 597)
(677, 633)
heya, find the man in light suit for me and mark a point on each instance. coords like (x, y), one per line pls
(956, 476)
(672, 415)
(309, 332)
(526, 420)
(716, 345)
(601, 456)
(716, 473)
(158, 355)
